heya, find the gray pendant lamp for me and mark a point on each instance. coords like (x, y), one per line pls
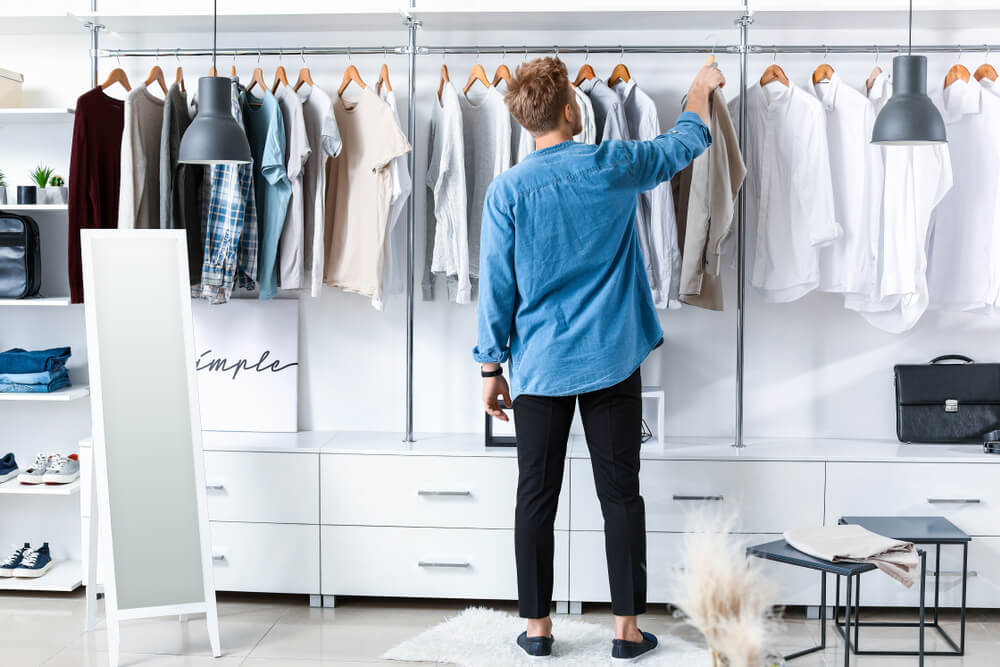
(909, 118)
(214, 136)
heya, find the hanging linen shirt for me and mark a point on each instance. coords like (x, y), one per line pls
(139, 197)
(447, 216)
(916, 179)
(655, 213)
(394, 261)
(94, 174)
(709, 196)
(359, 193)
(487, 136)
(266, 132)
(291, 247)
(324, 142)
(609, 115)
(521, 141)
(789, 189)
(849, 264)
(965, 226)
(563, 295)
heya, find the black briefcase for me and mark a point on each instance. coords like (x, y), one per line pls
(948, 403)
(20, 257)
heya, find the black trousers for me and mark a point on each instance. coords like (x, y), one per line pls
(612, 420)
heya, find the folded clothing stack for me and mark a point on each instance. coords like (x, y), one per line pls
(851, 543)
(30, 371)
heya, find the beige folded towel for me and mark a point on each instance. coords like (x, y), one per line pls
(854, 544)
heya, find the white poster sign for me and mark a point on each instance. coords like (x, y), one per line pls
(247, 359)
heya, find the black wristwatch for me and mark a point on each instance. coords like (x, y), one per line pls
(492, 374)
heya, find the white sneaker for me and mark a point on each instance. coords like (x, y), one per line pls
(34, 473)
(62, 469)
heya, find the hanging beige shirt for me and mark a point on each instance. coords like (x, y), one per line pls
(139, 195)
(715, 179)
(359, 193)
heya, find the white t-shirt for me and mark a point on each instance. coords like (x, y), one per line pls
(655, 212)
(588, 135)
(291, 247)
(848, 265)
(139, 194)
(394, 262)
(916, 179)
(789, 189)
(324, 142)
(447, 220)
(963, 257)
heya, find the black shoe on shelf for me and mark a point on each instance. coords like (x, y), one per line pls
(628, 651)
(536, 647)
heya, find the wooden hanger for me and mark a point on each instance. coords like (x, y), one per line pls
(955, 73)
(477, 74)
(383, 77)
(444, 78)
(502, 74)
(117, 75)
(212, 71)
(774, 73)
(179, 80)
(280, 78)
(350, 74)
(822, 73)
(257, 79)
(870, 81)
(619, 73)
(156, 76)
(305, 77)
(586, 73)
(986, 71)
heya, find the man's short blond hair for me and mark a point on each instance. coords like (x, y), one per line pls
(538, 93)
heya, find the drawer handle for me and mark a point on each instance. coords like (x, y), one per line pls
(215, 486)
(425, 563)
(444, 493)
(218, 556)
(954, 501)
(677, 497)
(954, 573)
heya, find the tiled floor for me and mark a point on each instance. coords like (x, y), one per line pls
(283, 631)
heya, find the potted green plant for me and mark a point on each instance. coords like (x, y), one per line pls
(3, 188)
(40, 176)
(57, 191)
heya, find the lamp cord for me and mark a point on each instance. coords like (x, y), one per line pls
(215, 31)
(910, 45)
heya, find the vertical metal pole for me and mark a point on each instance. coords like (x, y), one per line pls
(95, 31)
(741, 209)
(410, 221)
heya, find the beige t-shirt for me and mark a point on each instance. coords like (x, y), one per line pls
(359, 193)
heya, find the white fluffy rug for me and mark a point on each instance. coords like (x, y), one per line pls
(480, 637)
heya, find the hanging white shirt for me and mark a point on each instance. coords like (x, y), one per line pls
(962, 256)
(789, 189)
(655, 213)
(848, 265)
(394, 251)
(916, 179)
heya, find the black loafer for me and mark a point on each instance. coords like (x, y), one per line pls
(626, 650)
(536, 647)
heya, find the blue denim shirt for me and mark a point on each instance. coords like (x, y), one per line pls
(563, 292)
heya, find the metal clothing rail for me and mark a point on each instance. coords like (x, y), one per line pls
(559, 49)
(873, 48)
(263, 51)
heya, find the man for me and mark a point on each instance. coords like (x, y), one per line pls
(563, 296)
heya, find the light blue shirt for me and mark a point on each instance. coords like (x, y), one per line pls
(563, 293)
(273, 190)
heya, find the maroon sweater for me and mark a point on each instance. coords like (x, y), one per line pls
(94, 174)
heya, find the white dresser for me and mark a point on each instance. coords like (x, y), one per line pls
(362, 513)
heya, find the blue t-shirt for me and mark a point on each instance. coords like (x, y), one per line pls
(563, 292)
(272, 189)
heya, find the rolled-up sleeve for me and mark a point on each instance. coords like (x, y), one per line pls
(497, 285)
(657, 160)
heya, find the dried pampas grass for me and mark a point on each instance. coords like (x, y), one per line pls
(725, 595)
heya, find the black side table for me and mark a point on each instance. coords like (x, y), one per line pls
(781, 552)
(935, 530)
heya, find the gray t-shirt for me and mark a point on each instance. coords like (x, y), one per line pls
(324, 141)
(291, 247)
(139, 196)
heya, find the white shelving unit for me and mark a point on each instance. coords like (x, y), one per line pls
(187, 22)
(35, 115)
(64, 577)
(43, 302)
(33, 208)
(67, 394)
(15, 488)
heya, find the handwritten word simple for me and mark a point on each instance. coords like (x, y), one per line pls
(222, 365)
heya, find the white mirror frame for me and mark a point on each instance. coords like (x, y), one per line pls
(172, 241)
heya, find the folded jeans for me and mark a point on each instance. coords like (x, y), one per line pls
(17, 360)
(43, 377)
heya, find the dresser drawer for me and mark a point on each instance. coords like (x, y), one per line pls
(768, 497)
(589, 570)
(968, 494)
(265, 557)
(262, 487)
(423, 491)
(428, 562)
